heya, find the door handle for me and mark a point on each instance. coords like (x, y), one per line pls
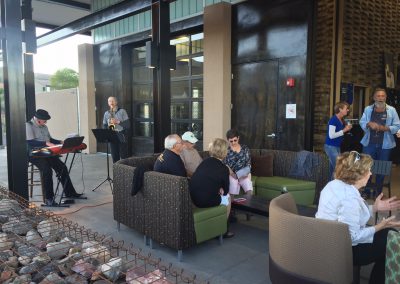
(272, 135)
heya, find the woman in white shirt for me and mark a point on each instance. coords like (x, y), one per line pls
(340, 200)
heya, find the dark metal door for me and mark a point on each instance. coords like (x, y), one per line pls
(254, 103)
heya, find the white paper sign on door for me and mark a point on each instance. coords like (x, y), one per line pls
(290, 110)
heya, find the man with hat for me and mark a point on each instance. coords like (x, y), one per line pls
(38, 136)
(189, 154)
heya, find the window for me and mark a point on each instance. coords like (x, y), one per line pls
(187, 86)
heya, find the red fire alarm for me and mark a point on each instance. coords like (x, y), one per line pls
(290, 82)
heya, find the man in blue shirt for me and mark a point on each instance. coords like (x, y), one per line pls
(170, 162)
(379, 122)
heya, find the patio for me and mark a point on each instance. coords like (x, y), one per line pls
(242, 259)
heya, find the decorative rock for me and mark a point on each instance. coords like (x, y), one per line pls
(96, 251)
(43, 258)
(76, 279)
(58, 249)
(33, 237)
(19, 226)
(23, 279)
(134, 273)
(45, 270)
(5, 242)
(31, 267)
(28, 251)
(3, 219)
(24, 260)
(9, 207)
(12, 262)
(5, 255)
(84, 268)
(112, 269)
(47, 228)
(53, 279)
(6, 275)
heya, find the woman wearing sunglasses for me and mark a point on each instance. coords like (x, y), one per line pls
(239, 162)
(340, 200)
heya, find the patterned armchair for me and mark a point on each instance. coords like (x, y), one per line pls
(130, 210)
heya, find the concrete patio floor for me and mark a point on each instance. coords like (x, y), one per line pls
(242, 259)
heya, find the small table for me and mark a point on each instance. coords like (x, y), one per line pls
(260, 206)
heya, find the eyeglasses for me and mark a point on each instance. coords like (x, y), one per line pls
(233, 140)
(357, 156)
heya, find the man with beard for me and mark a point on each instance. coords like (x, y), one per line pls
(379, 122)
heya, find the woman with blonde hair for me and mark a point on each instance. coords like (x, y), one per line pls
(209, 185)
(340, 200)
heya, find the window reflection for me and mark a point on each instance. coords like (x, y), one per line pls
(142, 92)
(197, 110)
(197, 43)
(197, 65)
(144, 110)
(180, 127)
(182, 68)
(182, 45)
(180, 89)
(180, 110)
(197, 88)
(144, 128)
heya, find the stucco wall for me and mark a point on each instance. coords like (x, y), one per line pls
(62, 106)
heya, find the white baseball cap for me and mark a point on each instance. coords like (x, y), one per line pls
(189, 136)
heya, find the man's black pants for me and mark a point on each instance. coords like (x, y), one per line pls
(45, 165)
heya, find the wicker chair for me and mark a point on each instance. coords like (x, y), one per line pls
(307, 250)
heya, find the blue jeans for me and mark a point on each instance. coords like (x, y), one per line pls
(332, 153)
(377, 153)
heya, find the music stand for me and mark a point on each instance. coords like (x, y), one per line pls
(106, 136)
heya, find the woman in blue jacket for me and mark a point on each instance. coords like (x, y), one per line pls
(334, 136)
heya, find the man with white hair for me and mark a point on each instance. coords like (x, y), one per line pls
(170, 162)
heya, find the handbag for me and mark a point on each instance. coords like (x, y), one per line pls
(243, 172)
(392, 265)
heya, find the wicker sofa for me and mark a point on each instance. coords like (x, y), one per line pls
(162, 210)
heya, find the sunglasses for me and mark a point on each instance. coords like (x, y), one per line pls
(233, 140)
(357, 156)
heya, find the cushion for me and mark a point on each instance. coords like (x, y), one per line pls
(262, 166)
(201, 214)
(278, 183)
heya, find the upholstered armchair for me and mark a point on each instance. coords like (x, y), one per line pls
(307, 250)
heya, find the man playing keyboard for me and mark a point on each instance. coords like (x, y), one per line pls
(38, 136)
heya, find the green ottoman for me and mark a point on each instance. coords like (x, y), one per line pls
(209, 222)
(303, 191)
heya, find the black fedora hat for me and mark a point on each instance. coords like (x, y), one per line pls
(42, 114)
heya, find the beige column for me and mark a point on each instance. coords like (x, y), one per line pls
(87, 103)
(217, 71)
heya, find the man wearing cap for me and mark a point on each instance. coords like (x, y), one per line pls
(38, 136)
(169, 162)
(189, 154)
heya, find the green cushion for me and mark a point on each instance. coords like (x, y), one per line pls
(303, 191)
(291, 184)
(201, 214)
(209, 222)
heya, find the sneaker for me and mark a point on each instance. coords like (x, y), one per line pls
(73, 195)
(50, 202)
(228, 235)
